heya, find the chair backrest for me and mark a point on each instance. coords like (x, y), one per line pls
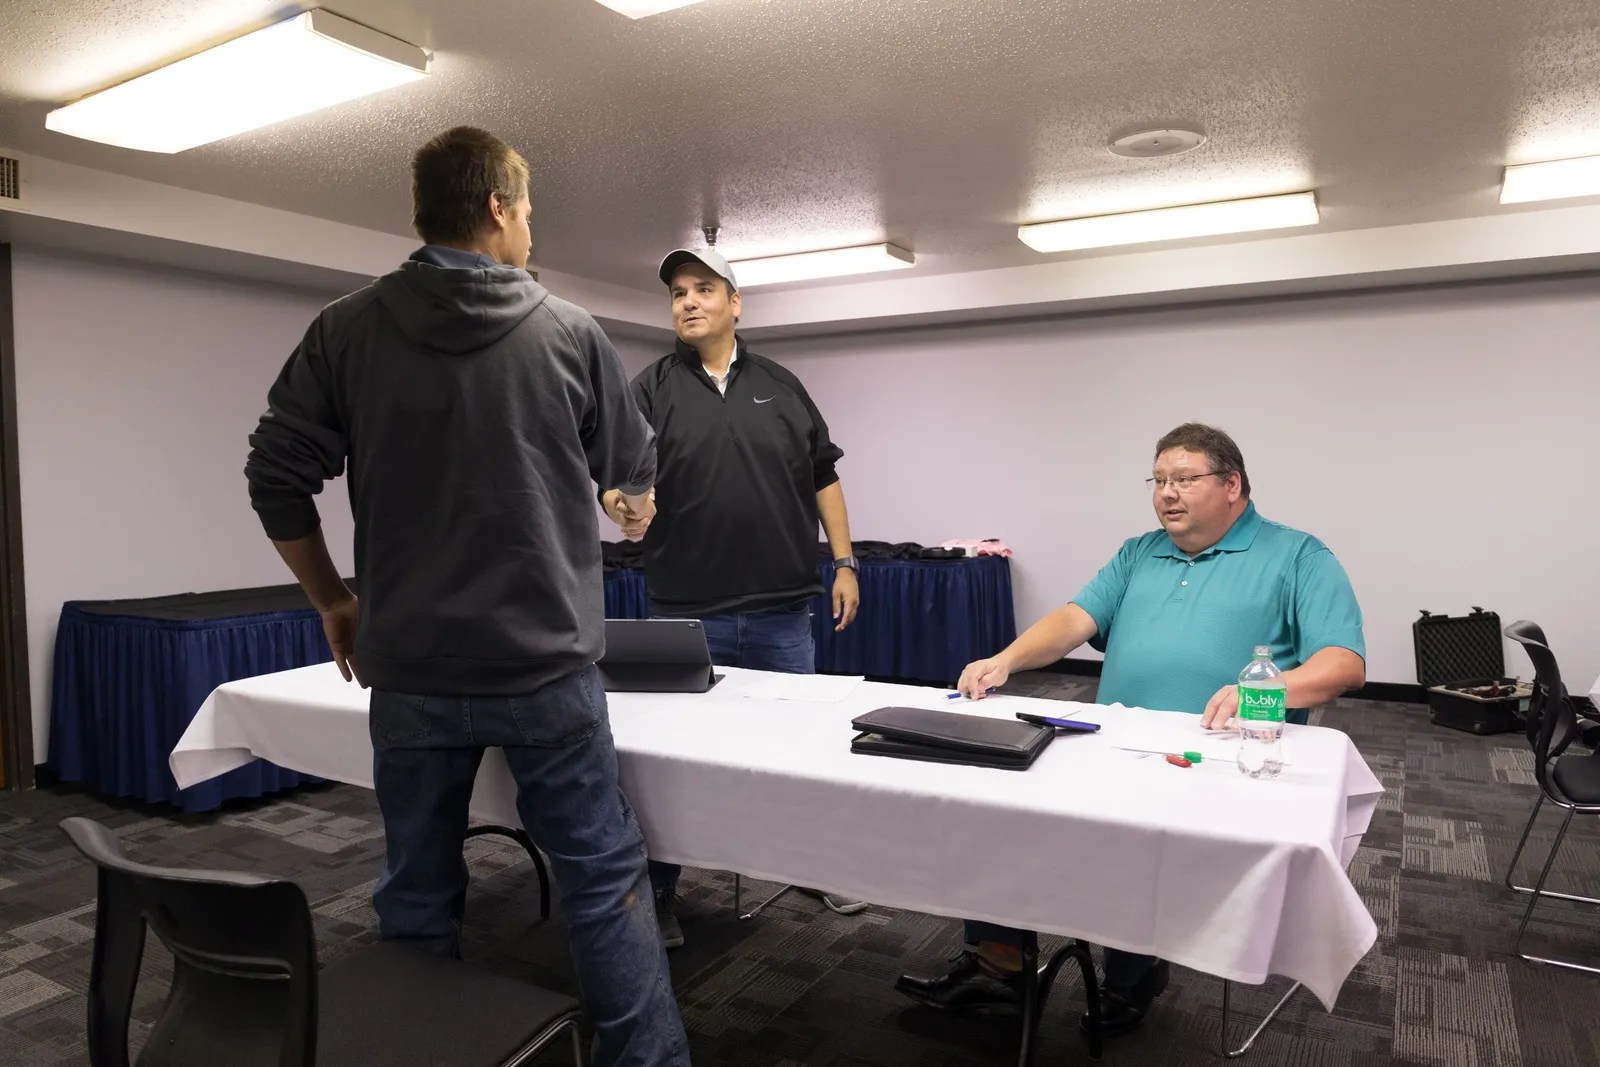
(1551, 721)
(1531, 631)
(244, 981)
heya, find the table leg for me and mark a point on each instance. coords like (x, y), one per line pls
(1227, 991)
(521, 837)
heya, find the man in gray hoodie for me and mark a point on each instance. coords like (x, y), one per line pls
(476, 412)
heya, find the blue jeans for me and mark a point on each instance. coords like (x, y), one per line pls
(765, 641)
(426, 752)
(1122, 969)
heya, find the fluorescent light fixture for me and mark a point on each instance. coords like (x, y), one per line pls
(1173, 223)
(833, 263)
(294, 67)
(643, 9)
(1556, 180)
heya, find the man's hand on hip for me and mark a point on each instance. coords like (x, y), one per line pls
(846, 597)
(339, 623)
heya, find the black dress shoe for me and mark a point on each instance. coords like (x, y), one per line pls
(968, 986)
(1123, 1010)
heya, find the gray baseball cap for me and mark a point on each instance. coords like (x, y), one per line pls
(705, 257)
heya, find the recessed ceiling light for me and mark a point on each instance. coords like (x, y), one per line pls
(1173, 223)
(833, 263)
(1555, 180)
(294, 67)
(640, 9)
(1154, 144)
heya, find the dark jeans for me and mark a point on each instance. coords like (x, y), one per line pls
(426, 752)
(765, 641)
(1122, 969)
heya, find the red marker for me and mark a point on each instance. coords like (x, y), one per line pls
(1179, 761)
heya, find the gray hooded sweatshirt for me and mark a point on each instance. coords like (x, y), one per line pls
(475, 412)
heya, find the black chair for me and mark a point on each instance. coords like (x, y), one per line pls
(1036, 983)
(520, 836)
(1570, 781)
(246, 991)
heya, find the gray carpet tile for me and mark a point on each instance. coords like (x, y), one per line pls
(803, 986)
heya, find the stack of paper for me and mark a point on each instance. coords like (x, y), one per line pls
(810, 688)
(1138, 730)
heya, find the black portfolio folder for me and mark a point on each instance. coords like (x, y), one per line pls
(950, 737)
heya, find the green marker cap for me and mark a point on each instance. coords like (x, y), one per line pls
(1193, 757)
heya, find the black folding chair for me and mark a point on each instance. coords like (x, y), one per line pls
(246, 991)
(1570, 781)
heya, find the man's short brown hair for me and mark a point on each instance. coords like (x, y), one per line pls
(1219, 449)
(452, 177)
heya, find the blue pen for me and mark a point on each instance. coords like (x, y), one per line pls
(958, 696)
(1060, 724)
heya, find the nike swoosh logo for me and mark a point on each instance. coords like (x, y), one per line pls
(768, 400)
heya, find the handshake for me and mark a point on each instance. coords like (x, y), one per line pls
(632, 513)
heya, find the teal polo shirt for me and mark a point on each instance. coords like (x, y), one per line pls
(1176, 629)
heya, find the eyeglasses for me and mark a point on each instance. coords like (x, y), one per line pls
(1181, 482)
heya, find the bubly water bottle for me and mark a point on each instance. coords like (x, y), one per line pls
(1263, 705)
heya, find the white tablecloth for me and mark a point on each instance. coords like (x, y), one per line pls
(1201, 866)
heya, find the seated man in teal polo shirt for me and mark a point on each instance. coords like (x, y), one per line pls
(1177, 613)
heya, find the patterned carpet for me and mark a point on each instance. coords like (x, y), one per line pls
(802, 986)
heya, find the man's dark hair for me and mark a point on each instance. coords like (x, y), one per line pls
(452, 177)
(1219, 449)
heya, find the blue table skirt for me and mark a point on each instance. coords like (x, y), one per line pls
(126, 687)
(920, 620)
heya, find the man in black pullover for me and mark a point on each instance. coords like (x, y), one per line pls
(747, 470)
(475, 411)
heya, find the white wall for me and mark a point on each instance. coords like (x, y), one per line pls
(638, 353)
(1442, 442)
(136, 389)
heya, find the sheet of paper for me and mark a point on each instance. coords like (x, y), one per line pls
(1138, 730)
(1174, 734)
(810, 688)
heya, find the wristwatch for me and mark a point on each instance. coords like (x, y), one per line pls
(848, 561)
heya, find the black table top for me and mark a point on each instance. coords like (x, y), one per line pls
(194, 607)
(227, 603)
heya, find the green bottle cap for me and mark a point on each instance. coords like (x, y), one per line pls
(1193, 757)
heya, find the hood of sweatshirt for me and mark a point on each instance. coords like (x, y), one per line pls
(458, 310)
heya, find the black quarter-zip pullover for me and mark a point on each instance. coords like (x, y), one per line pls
(736, 487)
